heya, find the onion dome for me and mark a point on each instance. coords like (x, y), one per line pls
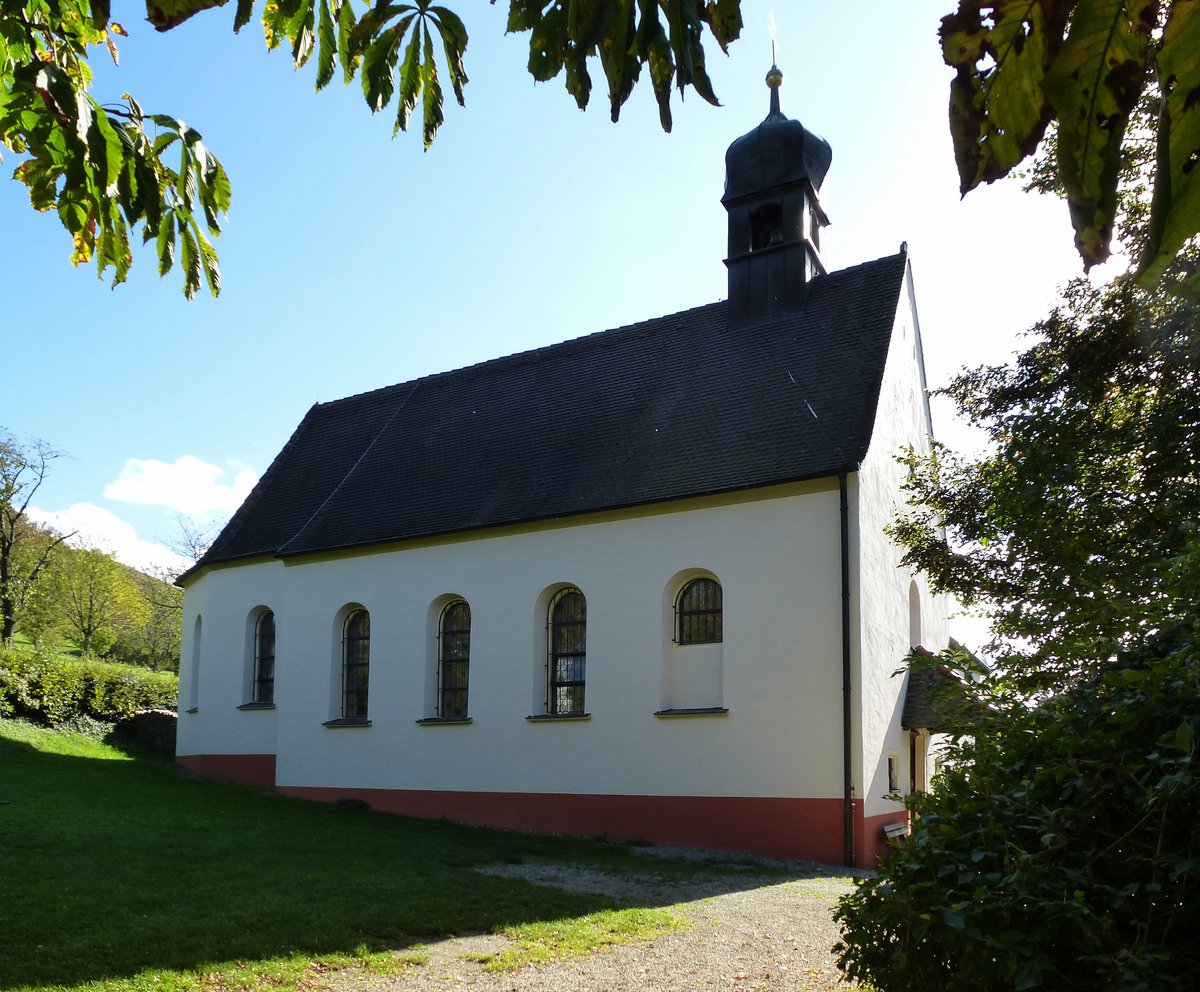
(778, 152)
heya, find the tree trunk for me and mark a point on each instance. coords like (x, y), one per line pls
(8, 608)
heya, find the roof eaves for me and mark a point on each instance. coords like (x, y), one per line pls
(284, 554)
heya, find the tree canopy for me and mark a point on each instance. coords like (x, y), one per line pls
(1084, 66)
(25, 550)
(98, 599)
(112, 170)
(1051, 851)
(1063, 530)
(48, 588)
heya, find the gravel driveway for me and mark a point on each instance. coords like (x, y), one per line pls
(747, 934)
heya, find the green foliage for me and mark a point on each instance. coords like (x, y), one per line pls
(107, 169)
(98, 598)
(1084, 65)
(625, 35)
(153, 640)
(48, 588)
(1062, 532)
(1058, 849)
(55, 690)
(25, 549)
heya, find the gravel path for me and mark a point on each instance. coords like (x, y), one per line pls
(747, 934)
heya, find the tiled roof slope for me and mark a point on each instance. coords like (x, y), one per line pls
(679, 406)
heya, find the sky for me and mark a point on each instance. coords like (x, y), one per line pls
(353, 261)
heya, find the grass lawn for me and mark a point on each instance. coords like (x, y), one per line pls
(67, 648)
(118, 873)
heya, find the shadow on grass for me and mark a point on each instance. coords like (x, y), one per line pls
(113, 867)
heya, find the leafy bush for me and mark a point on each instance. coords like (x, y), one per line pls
(89, 727)
(55, 689)
(1057, 850)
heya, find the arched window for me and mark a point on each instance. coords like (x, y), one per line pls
(698, 612)
(454, 660)
(356, 664)
(567, 662)
(264, 658)
(914, 615)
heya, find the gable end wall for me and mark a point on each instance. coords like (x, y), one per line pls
(881, 586)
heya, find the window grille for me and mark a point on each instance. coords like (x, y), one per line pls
(454, 658)
(698, 613)
(356, 659)
(264, 658)
(568, 654)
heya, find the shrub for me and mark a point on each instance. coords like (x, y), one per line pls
(1058, 850)
(54, 689)
(89, 727)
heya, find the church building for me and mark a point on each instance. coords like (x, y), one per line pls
(632, 585)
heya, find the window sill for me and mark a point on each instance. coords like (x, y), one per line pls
(445, 721)
(697, 711)
(558, 717)
(257, 706)
(348, 721)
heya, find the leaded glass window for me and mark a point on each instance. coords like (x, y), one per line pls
(698, 612)
(356, 664)
(454, 659)
(264, 658)
(568, 653)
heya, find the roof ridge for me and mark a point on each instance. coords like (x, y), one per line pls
(857, 266)
(529, 354)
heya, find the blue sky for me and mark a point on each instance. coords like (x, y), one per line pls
(352, 261)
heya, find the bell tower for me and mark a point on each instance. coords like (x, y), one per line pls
(772, 177)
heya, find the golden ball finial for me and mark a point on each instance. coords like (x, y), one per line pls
(774, 78)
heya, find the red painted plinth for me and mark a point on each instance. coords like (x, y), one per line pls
(249, 769)
(780, 828)
(808, 828)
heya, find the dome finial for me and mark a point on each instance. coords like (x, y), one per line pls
(774, 81)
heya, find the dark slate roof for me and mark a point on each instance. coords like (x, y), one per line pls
(683, 405)
(777, 152)
(937, 697)
(923, 707)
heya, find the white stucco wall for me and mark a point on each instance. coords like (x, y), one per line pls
(882, 587)
(778, 670)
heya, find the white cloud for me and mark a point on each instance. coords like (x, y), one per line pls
(187, 485)
(95, 527)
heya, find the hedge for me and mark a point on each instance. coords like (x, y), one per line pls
(54, 689)
(1058, 849)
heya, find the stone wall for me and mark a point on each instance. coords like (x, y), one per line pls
(152, 729)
